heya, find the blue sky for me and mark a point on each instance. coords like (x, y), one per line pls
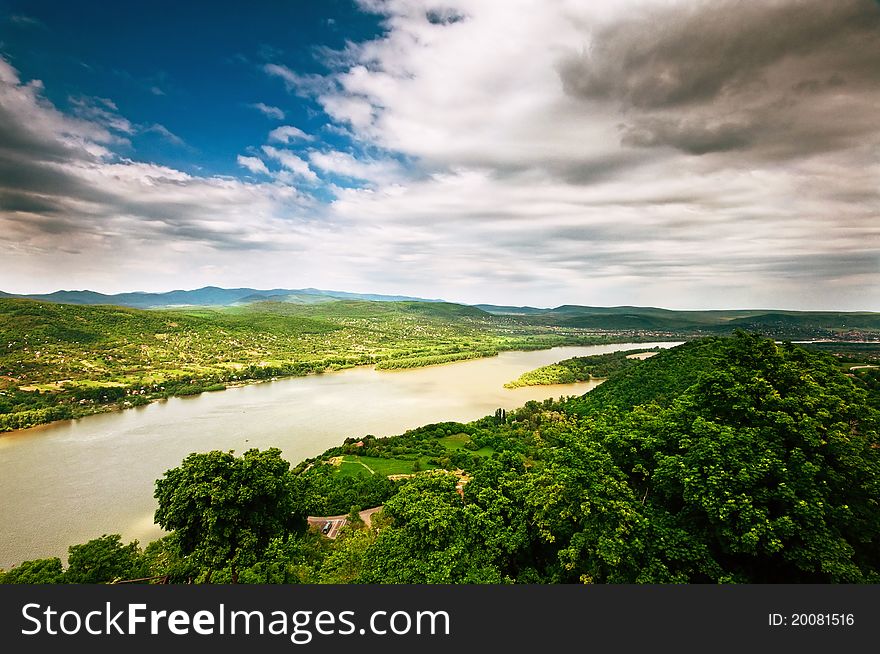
(674, 153)
(192, 67)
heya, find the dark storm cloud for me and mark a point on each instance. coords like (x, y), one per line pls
(779, 78)
(19, 173)
(596, 169)
(17, 136)
(16, 201)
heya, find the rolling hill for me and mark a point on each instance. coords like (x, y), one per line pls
(209, 296)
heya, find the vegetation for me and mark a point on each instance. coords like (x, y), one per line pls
(726, 460)
(849, 353)
(103, 559)
(61, 361)
(224, 510)
(578, 369)
(780, 324)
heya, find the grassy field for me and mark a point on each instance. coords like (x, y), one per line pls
(460, 441)
(352, 465)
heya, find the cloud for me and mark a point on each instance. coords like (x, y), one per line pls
(778, 79)
(70, 205)
(166, 134)
(291, 162)
(346, 165)
(253, 164)
(615, 151)
(22, 20)
(101, 111)
(268, 110)
(678, 153)
(295, 82)
(287, 133)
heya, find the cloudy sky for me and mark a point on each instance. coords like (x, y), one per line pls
(676, 153)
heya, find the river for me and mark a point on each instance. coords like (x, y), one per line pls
(74, 480)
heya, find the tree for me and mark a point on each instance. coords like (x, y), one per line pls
(163, 558)
(225, 510)
(767, 469)
(39, 571)
(103, 560)
(431, 538)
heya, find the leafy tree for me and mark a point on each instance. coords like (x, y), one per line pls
(765, 470)
(292, 560)
(225, 510)
(322, 492)
(103, 560)
(164, 557)
(431, 538)
(345, 562)
(773, 463)
(39, 571)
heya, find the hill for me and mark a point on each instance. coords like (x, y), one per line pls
(67, 360)
(208, 296)
(631, 319)
(782, 324)
(761, 464)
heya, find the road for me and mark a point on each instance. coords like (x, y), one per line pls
(337, 521)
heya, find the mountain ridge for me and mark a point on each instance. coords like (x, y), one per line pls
(205, 296)
(779, 322)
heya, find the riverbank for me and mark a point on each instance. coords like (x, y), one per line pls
(74, 480)
(112, 397)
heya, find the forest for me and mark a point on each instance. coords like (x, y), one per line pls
(577, 369)
(723, 460)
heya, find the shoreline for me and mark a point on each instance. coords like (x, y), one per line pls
(118, 407)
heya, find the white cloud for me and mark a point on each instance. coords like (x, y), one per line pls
(101, 111)
(291, 162)
(72, 212)
(523, 181)
(295, 82)
(531, 191)
(268, 110)
(287, 133)
(166, 134)
(346, 165)
(253, 164)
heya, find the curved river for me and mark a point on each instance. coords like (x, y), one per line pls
(72, 481)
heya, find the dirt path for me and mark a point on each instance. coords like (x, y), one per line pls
(372, 472)
(337, 521)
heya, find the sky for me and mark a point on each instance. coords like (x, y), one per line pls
(689, 154)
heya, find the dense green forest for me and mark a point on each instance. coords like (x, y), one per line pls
(724, 460)
(579, 369)
(65, 360)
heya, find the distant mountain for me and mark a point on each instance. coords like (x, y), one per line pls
(210, 296)
(509, 311)
(783, 323)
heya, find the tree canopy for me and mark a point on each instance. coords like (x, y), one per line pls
(225, 510)
(735, 460)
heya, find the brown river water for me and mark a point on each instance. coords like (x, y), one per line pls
(71, 481)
